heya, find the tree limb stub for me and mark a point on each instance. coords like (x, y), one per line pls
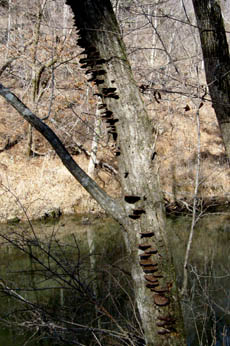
(110, 205)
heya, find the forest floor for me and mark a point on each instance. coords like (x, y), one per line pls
(34, 187)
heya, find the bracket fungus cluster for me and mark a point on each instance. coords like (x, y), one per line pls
(93, 64)
(137, 212)
(96, 71)
(152, 275)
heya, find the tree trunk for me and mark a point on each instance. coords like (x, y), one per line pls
(91, 235)
(216, 61)
(35, 83)
(144, 223)
(140, 210)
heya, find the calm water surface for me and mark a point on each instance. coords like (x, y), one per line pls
(207, 306)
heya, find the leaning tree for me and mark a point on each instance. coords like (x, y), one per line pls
(140, 210)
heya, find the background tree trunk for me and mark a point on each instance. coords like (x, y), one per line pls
(216, 61)
(35, 82)
(144, 224)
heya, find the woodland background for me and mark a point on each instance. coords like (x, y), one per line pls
(39, 62)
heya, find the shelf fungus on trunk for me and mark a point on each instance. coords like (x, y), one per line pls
(158, 275)
(150, 269)
(146, 234)
(132, 199)
(162, 324)
(137, 213)
(166, 322)
(107, 114)
(151, 251)
(148, 263)
(151, 278)
(164, 331)
(145, 256)
(161, 299)
(134, 217)
(160, 289)
(152, 285)
(144, 246)
(167, 318)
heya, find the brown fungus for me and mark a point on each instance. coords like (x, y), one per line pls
(161, 300)
(147, 263)
(150, 269)
(138, 211)
(157, 275)
(161, 324)
(134, 217)
(160, 289)
(111, 129)
(132, 199)
(112, 96)
(114, 134)
(108, 90)
(169, 319)
(100, 61)
(144, 256)
(151, 278)
(146, 234)
(84, 66)
(151, 251)
(112, 121)
(100, 72)
(144, 246)
(164, 318)
(152, 285)
(98, 81)
(164, 331)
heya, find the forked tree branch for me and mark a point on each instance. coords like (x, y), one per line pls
(110, 205)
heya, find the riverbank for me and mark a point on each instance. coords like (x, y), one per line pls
(39, 186)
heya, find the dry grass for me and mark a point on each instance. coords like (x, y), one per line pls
(177, 155)
(40, 185)
(43, 184)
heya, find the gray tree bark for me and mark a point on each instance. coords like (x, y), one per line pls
(153, 273)
(216, 61)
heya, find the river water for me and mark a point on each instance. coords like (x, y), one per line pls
(62, 245)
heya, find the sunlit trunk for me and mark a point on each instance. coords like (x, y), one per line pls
(144, 225)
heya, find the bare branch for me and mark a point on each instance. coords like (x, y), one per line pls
(106, 202)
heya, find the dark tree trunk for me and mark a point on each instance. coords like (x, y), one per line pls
(216, 61)
(153, 273)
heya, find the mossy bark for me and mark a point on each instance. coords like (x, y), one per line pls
(144, 224)
(216, 61)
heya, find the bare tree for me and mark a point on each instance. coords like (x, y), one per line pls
(216, 61)
(140, 210)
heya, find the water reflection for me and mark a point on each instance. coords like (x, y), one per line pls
(206, 307)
